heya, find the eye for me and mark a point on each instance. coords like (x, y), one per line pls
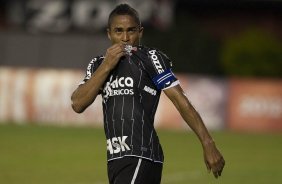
(132, 30)
(118, 30)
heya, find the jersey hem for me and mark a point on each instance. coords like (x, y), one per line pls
(135, 156)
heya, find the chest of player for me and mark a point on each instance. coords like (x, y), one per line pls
(128, 78)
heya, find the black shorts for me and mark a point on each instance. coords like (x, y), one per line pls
(133, 170)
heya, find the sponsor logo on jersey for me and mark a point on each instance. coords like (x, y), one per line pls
(117, 144)
(156, 61)
(89, 68)
(118, 86)
(150, 90)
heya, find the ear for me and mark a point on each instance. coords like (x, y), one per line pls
(109, 34)
(141, 32)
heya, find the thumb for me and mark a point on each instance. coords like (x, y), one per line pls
(208, 166)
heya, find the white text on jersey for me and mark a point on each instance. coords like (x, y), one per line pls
(118, 86)
(117, 144)
(89, 68)
(156, 61)
(150, 90)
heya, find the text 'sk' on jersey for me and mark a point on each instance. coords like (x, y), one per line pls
(130, 98)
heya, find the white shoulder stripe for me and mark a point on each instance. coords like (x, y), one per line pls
(164, 77)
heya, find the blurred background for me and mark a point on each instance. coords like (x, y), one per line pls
(227, 55)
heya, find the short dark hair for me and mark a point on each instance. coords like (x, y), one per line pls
(124, 9)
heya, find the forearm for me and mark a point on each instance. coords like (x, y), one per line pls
(85, 94)
(194, 121)
(189, 114)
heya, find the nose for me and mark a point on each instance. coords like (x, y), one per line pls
(125, 37)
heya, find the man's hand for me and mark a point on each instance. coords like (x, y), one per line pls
(213, 159)
(113, 55)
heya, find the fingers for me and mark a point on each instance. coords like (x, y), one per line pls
(218, 167)
(113, 55)
(120, 49)
(214, 160)
(215, 174)
(215, 164)
(116, 50)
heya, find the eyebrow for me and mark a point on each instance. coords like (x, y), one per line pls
(128, 29)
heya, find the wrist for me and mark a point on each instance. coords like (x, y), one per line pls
(106, 67)
(208, 142)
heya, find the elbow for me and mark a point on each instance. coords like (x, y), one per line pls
(77, 108)
(79, 104)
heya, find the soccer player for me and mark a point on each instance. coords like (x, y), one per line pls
(130, 78)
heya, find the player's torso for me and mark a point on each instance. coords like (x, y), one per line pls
(130, 101)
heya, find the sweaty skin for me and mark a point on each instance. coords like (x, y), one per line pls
(124, 30)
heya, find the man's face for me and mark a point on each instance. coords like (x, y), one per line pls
(125, 30)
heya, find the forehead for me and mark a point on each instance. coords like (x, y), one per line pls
(123, 21)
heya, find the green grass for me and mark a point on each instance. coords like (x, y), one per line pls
(69, 155)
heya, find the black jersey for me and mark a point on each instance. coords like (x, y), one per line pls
(130, 98)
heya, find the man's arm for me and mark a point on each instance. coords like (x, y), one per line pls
(213, 158)
(85, 94)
